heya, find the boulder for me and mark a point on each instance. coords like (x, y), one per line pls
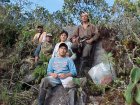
(59, 96)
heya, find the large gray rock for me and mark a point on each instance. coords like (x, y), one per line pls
(59, 96)
(70, 29)
(28, 78)
(1, 54)
(99, 55)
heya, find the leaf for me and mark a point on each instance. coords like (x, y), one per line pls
(76, 81)
(138, 60)
(137, 97)
(135, 75)
(128, 93)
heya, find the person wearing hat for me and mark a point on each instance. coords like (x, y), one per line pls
(61, 70)
(45, 48)
(86, 34)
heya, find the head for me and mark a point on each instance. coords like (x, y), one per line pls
(84, 17)
(74, 39)
(40, 29)
(48, 37)
(63, 36)
(63, 48)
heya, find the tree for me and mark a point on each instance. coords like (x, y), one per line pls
(98, 9)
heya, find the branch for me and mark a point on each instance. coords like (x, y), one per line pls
(29, 85)
(129, 57)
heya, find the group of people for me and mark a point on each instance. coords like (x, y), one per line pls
(61, 65)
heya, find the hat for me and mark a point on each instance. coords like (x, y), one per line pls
(49, 34)
(63, 45)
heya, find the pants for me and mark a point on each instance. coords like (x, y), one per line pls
(37, 50)
(48, 82)
(85, 49)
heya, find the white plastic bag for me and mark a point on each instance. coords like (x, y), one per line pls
(102, 73)
(68, 82)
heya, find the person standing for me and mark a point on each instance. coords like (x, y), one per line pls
(86, 34)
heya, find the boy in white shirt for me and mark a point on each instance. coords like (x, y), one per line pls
(63, 39)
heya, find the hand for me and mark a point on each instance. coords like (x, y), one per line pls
(89, 41)
(54, 75)
(62, 76)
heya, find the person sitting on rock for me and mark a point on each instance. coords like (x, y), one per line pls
(45, 49)
(63, 39)
(38, 39)
(61, 70)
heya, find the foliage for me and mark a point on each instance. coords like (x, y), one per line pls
(132, 91)
(108, 57)
(27, 35)
(39, 72)
(9, 34)
(98, 9)
(121, 22)
(44, 58)
(4, 96)
(95, 89)
(7, 97)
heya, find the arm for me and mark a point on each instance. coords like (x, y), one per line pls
(50, 71)
(73, 57)
(72, 67)
(95, 35)
(50, 68)
(34, 38)
(54, 51)
(43, 37)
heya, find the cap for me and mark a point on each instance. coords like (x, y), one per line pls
(63, 45)
(49, 34)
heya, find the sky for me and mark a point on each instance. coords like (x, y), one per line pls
(51, 5)
(54, 5)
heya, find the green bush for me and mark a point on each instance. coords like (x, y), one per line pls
(39, 72)
(132, 92)
(9, 34)
(27, 35)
